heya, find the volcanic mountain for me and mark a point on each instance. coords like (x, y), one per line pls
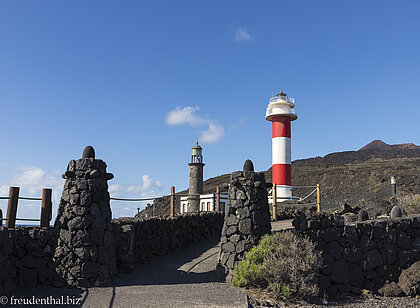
(380, 145)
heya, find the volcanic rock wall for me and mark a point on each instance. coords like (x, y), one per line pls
(140, 240)
(367, 254)
(247, 216)
(85, 253)
(25, 257)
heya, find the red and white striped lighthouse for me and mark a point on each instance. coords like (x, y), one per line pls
(280, 112)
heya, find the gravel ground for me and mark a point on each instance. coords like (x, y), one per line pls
(350, 301)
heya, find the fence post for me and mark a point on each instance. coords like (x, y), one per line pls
(318, 199)
(218, 199)
(46, 206)
(12, 205)
(274, 201)
(1, 218)
(172, 201)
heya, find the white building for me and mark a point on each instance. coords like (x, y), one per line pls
(208, 203)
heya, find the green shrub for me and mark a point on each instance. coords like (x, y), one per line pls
(284, 264)
(248, 271)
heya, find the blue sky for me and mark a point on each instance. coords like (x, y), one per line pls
(142, 80)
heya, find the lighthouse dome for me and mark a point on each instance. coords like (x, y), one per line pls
(197, 146)
(197, 154)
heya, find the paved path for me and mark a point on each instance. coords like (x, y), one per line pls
(186, 278)
(281, 224)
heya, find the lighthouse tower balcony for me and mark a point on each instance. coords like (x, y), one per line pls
(281, 105)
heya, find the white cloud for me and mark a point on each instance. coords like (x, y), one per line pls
(188, 115)
(213, 133)
(242, 35)
(184, 115)
(4, 190)
(32, 179)
(148, 188)
(145, 189)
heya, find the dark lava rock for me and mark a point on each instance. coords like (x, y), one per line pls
(356, 275)
(334, 249)
(391, 290)
(248, 165)
(349, 218)
(346, 208)
(409, 280)
(396, 212)
(88, 152)
(362, 215)
(27, 278)
(340, 272)
(373, 260)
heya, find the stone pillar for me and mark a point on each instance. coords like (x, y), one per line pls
(85, 253)
(195, 187)
(247, 216)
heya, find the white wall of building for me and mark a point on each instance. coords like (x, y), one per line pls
(207, 203)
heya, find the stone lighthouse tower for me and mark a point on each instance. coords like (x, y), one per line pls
(280, 112)
(196, 179)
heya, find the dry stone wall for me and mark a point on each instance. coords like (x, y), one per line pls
(247, 216)
(26, 257)
(85, 253)
(365, 255)
(292, 211)
(140, 240)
